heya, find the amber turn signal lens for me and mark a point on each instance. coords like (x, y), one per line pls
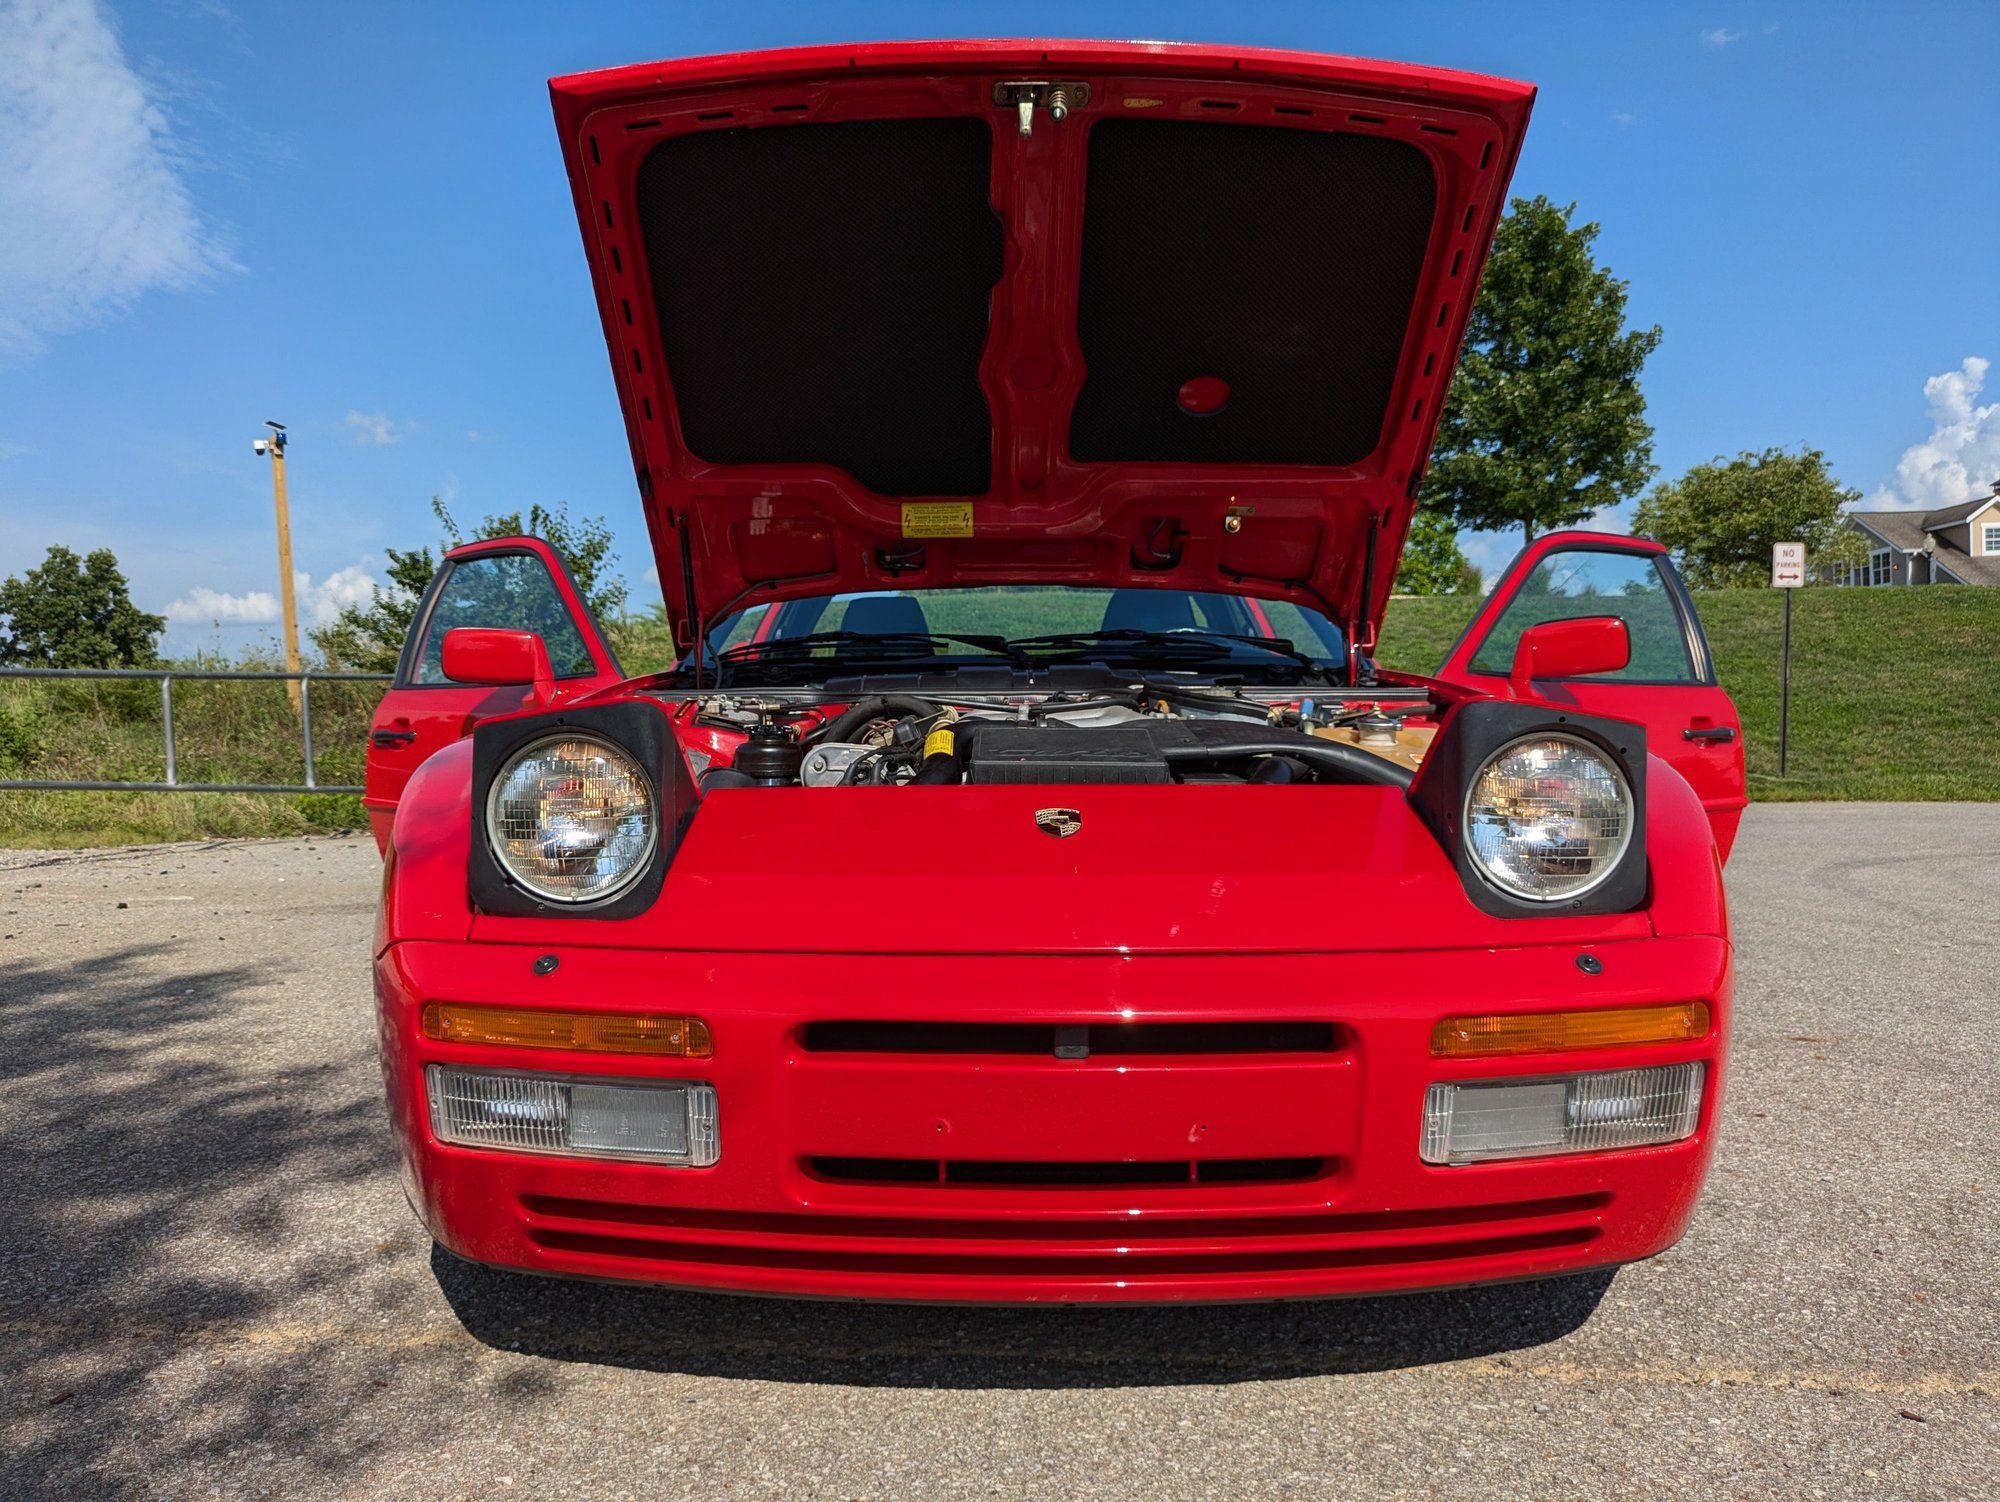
(1554, 1032)
(590, 1032)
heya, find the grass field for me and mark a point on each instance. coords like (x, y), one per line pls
(1895, 695)
(1895, 692)
(109, 730)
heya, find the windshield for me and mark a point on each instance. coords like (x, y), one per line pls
(1036, 624)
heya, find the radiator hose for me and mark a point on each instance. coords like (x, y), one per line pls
(850, 722)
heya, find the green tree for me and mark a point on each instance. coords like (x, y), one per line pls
(1720, 518)
(1432, 562)
(369, 638)
(75, 613)
(1545, 423)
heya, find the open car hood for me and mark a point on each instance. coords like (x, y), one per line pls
(873, 330)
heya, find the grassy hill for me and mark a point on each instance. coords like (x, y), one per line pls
(1895, 692)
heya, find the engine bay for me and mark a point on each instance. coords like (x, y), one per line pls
(1143, 732)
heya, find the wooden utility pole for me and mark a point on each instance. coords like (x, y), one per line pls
(287, 600)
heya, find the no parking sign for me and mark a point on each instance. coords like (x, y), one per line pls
(1788, 565)
(1788, 571)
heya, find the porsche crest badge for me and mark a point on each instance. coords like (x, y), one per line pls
(1060, 822)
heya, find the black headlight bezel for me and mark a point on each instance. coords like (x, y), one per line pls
(635, 727)
(1470, 735)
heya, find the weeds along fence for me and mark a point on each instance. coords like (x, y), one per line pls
(184, 730)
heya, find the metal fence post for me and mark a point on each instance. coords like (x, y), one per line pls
(167, 719)
(306, 723)
(172, 782)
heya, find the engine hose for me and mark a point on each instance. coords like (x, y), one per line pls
(1345, 763)
(850, 722)
(941, 764)
(1280, 769)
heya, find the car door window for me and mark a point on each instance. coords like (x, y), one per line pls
(508, 592)
(1586, 582)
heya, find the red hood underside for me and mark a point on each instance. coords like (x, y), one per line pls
(1193, 334)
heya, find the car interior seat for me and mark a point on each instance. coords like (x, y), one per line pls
(885, 615)
(1149, 610)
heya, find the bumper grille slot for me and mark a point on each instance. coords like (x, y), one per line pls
(1063, 1175)
(1117, 1038)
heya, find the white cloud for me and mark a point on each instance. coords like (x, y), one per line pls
(371, 428)
(318, 603)
(473, 435)
(1961, 457)
(201, 604)
(90, 187)
(13, 450)
(1623, 117)
(1720, 36)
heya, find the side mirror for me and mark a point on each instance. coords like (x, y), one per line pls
(475, 654)
(1565, 649)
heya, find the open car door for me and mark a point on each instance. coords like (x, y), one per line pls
(1669, 683)
(509, 584)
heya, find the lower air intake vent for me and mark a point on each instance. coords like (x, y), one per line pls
(1072, 1041)
(1028, 1175)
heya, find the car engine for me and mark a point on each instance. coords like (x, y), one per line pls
(1175, 735)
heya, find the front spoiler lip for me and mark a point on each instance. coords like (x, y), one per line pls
(755, 1223)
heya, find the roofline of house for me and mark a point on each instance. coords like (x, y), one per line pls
(1894, 547)
(1963, 521)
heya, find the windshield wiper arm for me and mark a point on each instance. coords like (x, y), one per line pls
(1200, 645)
(899, 644)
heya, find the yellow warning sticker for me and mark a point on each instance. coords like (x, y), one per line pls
(937, 518)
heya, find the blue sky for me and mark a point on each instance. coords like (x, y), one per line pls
(353, 218)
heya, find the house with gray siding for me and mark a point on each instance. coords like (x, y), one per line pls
(1954, 545)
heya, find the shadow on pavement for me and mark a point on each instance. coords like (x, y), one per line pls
(910, 1345)
(168, 1141)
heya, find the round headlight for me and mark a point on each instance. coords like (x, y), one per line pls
(1547, 818)
(571, 818)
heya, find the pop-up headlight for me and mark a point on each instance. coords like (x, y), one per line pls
(571, 818)
(576, 812)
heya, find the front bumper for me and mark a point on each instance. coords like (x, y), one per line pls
(1349, 1209)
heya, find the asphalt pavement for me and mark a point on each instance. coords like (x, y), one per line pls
(210, 1284)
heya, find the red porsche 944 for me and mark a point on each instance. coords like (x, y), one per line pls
(1025, 885)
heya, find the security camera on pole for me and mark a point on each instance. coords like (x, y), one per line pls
(1788, 572)
(288, 603)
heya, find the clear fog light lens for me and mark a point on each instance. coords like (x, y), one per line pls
(1548, 818)
(543, 1113)
(571, 818)
(1580, 1113)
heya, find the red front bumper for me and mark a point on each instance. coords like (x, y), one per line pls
(1349, 1209)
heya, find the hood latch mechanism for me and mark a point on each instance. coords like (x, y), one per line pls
(1057, 98)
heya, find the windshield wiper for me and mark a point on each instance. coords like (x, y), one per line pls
(1196, 645)
(892, 644)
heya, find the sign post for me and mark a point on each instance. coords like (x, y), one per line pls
(1788, 572)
